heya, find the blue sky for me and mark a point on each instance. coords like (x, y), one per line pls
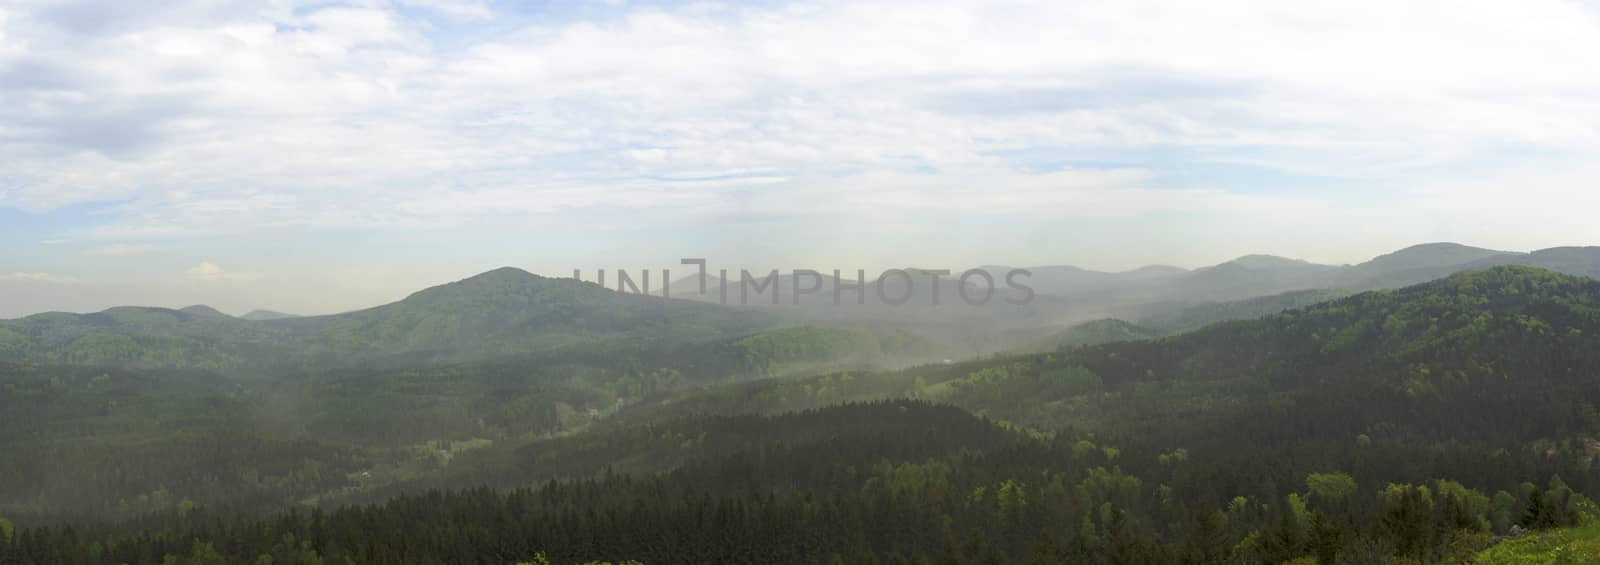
(320, 156)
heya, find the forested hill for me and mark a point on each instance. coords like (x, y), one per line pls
(1503, 360)
(1508, 355)
(501, 312)
(1506, 324)
(510, 311)
(1416, 424)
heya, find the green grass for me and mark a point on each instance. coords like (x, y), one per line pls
(1570, 545)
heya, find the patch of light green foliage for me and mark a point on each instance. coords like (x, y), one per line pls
(1569, 545)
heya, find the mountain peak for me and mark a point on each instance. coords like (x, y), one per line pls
(508, 283)
(1259, 261)
(263, 315)
(203, 311)
(503, 273)
(1437, 246)
(1430, 255)
(501, 277)
(1156, 270)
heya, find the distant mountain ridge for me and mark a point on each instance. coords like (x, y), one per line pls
(1158, 300)
(203, 310)
(1262, 275)
(502, 312)
(1430, 255)
(263, 315)
(1068, 279)
(509, 311)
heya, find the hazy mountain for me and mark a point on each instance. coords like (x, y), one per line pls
(510, 312)
(1174, 319)
(1251, 275)
(203, 311)
(1167, 299)
(1162, 290)
(914, 302)
(1433, 261)
(262, 315)
(1418, 264)
(1192, 317)
(1256, 276)
(1154, 272)
(1580, 261)
(819, 290)
(1428, 255)
(689, 287)
(1068, 280)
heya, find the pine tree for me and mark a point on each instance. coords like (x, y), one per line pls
(1536, 514)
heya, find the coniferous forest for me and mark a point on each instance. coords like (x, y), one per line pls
(1437, 423)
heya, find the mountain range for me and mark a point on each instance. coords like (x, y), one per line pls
(1259, 275)
(509, 312)
(1333, 425)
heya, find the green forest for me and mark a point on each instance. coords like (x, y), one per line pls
(1453, 421)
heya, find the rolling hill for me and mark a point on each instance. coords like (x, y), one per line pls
(498, 313)
(1460, 357)
(511, 312)
(1262, 275)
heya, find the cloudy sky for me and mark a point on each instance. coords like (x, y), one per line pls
(320, 156)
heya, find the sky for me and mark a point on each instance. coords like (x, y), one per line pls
(314, 157)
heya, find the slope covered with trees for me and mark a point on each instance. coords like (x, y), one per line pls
(893, 482)
(1417, 424)
(115, 442)
(1460, 356)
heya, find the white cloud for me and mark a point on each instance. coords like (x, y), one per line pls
(121, 250)
(40, 277)
(203, 119)
(206, 270)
